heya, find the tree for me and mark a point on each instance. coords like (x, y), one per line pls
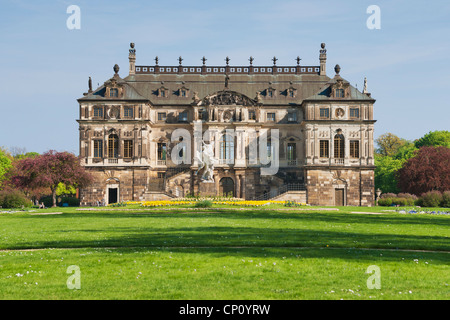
(428, 170)
(385, 173)
(388, 144)
(26, 155)
(434, 138)
(49, 170)
(406, 151)
(5, 164)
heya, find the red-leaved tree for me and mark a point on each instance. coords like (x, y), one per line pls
(50, 169)
(428, 170)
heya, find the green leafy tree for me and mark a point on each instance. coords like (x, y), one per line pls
(63, 189)
(434, 139)
(388, 144)
(406, 151)
(26, 155)
(5, 164)
(385, 173)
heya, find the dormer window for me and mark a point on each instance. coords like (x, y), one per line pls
(163, 92)
(291, 92)
(183, 92)
(113, 93)
(339, 93)
(270, 92)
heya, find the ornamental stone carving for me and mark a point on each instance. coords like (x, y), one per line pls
(227, 98)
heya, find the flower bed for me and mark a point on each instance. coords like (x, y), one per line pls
(218, 201)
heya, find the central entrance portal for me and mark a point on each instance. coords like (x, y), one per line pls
(227, 187)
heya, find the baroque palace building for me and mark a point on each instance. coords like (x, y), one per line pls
(324, 144)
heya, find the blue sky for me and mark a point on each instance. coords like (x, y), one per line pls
(45, 66)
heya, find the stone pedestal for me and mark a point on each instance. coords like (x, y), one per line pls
(207, 189)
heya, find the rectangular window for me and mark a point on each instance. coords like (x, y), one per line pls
(128, 112)
(324, 113)
(161, 175)
(113, 93)
(182, 116)
(339, 147)
(202, 115)
(324, 148)
(183, 93)
(98, 112)
(162, 93)
(128, 149)
(292, 116)
(162, 116)
(113, 146)
(251, 115)
(270, 116)
(291, 151)
(98, 149)
(354, 149)
(339, 93)
(354, 113)
(162, 151)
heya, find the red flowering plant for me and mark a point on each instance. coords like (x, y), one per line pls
(48, 170)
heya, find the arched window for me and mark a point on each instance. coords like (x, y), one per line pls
(339, 147)
(227, 148)
(113, 146)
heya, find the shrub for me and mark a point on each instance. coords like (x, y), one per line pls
(388, 195)
(446, 199)
(407, 196)
(13, 199)
(386, 202)
(204, 204)
(431, 199)
(47, 200)
(71, 201)
(403, 202)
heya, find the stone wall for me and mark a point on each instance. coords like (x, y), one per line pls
(130, 182)
(358, 186)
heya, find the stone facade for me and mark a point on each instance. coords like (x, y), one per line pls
(319, 133)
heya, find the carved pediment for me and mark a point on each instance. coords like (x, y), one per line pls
(227, 98)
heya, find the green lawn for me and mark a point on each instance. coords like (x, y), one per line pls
(228, 253)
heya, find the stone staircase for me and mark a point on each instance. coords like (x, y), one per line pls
(287, 192)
